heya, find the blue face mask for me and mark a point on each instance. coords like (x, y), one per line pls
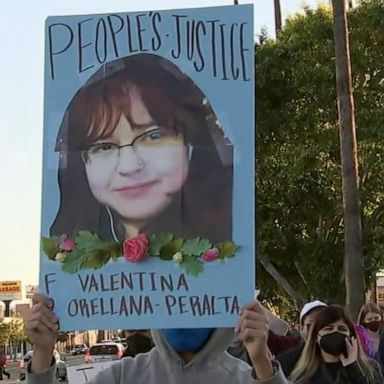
(187, 339)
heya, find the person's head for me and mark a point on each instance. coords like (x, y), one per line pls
(371, 317)
(307, 315)
(326, 342)
(139, 166)
(137, 137)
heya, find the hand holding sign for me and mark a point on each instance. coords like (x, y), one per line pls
(41, 326)
(253, 327)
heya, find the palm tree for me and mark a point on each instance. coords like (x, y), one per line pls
(353, 258)
(278, 21)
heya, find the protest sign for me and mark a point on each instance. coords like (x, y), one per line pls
(148, 191)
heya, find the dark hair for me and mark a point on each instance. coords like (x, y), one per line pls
(203, 207)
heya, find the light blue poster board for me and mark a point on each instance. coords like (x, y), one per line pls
(148, 179)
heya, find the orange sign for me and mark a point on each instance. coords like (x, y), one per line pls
(10, 290)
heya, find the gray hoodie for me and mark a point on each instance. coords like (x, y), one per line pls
(162, 365)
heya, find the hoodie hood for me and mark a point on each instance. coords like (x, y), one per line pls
(217, 344)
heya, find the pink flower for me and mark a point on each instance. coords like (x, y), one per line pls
(135, 248)
(67, 244)
(210, 254)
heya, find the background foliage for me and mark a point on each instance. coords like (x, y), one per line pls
(298, 178)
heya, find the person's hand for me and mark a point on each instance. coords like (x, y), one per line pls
(41, 326)
(253, 327)
(352, 352)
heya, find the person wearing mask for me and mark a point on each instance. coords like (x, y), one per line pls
(180, 356)
(289, 358)
(371, 318)
(332, 353)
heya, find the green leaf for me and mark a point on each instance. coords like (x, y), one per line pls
(195, 246)
(89, 241)
(226, 249)
(96, 260)
(171, 248)
(192, 265)
(157, 241)
(74, 261)
(114, 249)
(50, 247)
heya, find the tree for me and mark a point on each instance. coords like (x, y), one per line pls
(278, 19)
(16, 334)
(353, 258)
(298, 180)
(4, 333)
(12, 333)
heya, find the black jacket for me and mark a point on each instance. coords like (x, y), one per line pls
(351, 374)
(289, 359)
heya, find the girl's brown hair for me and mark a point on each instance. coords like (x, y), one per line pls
(204, 205)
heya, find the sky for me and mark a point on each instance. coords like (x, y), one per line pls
(21, 111)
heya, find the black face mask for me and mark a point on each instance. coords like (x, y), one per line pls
(334, 343)
(373, 326)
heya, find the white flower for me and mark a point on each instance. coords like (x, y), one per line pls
(61, 257)
(177, 257)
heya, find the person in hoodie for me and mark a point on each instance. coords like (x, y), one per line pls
(180, 356)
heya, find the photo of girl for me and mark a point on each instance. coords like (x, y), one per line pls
(142, 151)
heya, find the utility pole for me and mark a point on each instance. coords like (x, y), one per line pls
(7, 312)
(353, 257)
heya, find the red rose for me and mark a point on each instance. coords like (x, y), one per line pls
(135, 248)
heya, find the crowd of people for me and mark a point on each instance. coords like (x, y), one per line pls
(330, 349)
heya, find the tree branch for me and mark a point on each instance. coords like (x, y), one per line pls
(281, 280)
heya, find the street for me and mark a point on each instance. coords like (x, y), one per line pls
(13, 367)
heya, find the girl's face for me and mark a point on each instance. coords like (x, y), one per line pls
(332, 339)
(372, 316)
(373, 322)
(138, 169)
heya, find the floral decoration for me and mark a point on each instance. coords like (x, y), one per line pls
(88, 251)
(135, 248)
